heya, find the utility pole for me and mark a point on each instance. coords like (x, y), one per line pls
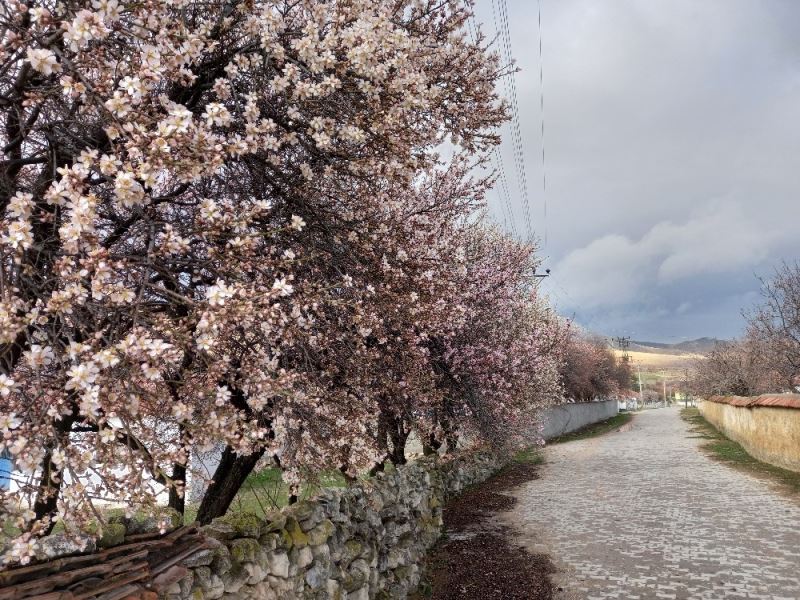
(623, 343)
(639, 371)
(685, 386)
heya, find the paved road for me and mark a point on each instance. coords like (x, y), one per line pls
(644, 513)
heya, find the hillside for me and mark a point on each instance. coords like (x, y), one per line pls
(659, 362)
(669, 360)
(698, 346)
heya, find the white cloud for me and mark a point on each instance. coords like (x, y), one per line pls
(615, 270)
(652, 109)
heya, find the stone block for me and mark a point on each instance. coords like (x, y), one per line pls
(321, 532)
(201, 558)
(278, 563)
(221, 563)
(244, 550)
(235, 579)
(256, 574)
(55, 546)
(302, 557)
(219, 530)
(359, 594)
(316, 577)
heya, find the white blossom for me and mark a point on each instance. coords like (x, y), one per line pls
(43, 60)
(6, 385)
(298, 223)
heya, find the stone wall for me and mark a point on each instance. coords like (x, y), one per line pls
(768, 427)
(357, 543)
(564, 418)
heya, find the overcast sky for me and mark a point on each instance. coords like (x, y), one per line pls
(673, 156)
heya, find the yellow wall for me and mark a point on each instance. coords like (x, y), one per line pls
(770, 434)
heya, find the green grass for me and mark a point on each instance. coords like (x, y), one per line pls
(733, 454)
(529, 456)
(595, 429)
(262, 492)
(265, 491)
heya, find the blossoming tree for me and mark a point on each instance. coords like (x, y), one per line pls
(591, 369)
(227, 222)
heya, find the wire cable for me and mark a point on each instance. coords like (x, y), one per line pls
(541, 112)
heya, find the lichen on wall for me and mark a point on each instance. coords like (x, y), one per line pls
(357, 543)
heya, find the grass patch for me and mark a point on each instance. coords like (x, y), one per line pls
(529, 456)
(732, 453)
(595, 429)
(265, 491)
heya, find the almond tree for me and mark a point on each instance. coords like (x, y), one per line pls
(738, 368)
(226, 221)
(767, 358)
(500, 364)
(591, 370)
(774, 326)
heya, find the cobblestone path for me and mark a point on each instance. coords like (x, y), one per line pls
(644, 513)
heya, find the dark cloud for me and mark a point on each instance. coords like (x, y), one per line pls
(673, 155)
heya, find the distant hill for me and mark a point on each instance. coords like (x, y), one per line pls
(667, 360)
(698, 346)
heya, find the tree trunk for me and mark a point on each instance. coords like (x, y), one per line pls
(178, 478)
(430, 445)
(379, 467)
(46, 502)
(228, 479)
(399, 436)
(176, 500)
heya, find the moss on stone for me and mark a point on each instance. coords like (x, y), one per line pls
(244, 550)
(244, 524)
(321, 533)
(274, 521)
(352, 550)
(303, 510)
(286, 542)
(219, 530)
(222, 560)
(197, 594)
(113, 535)
(353, 581)
(149, 521)
(296, 533)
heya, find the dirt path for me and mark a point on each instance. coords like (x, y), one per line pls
(478, 557)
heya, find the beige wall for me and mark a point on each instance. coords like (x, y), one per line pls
(769, 433)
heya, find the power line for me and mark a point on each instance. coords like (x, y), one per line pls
(503, 191)
(501, 8)
(541, 111)
(506, 194)
(500, 15)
